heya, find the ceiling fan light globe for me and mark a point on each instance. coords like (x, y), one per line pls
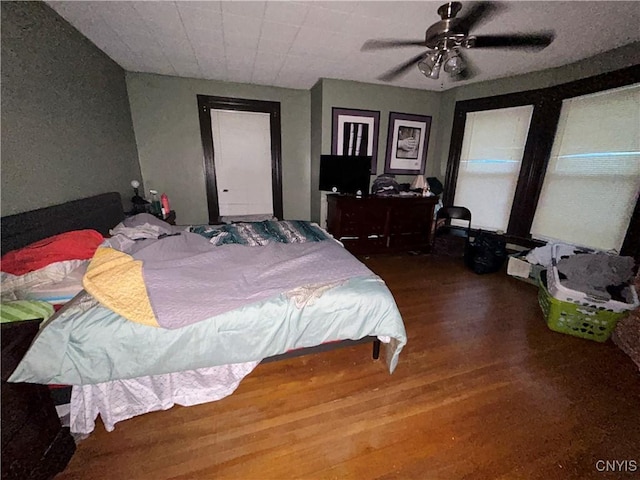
(425, 68)
(435, 72)
(430, 65)
(454, 65)
(429, 71)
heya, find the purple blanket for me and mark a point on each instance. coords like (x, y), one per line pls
(188, 280)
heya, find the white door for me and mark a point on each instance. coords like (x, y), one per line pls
(242, 151)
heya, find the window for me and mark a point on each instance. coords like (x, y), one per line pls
(492, 152)
(594, 170)
(578, 176)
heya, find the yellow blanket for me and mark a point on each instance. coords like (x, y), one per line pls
(115, 280)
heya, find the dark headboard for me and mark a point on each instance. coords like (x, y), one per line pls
(100, 213)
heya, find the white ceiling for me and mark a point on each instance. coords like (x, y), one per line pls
(294, 43)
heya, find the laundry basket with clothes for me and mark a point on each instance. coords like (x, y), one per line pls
(585, 292)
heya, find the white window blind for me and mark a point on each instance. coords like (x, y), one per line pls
(492, 150)
(593, 177)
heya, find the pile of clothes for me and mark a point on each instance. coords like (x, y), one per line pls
(607, 277)
(385, 184)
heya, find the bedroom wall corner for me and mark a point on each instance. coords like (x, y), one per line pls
(66, 125)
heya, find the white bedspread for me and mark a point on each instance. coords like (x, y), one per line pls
(123, 399)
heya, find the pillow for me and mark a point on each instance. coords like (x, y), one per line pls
(59, 292)
(74, 245)
(145, 218)
(17, 286)
(140, 226)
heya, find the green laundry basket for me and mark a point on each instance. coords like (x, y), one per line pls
(580, 321)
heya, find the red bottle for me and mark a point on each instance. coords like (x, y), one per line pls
(165, 204)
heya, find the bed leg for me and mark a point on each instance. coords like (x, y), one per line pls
(376, 349)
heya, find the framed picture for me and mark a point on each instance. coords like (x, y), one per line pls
(407, 143)
(355, 132)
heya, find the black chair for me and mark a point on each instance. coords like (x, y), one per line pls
(448, 239)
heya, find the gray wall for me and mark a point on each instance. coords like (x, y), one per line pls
(382, 98)
(165, 118)
(164, 111)
(66, 124)
(613, 60)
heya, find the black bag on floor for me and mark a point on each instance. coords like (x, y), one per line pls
(486, 253)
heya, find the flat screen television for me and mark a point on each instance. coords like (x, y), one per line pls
(345, 174)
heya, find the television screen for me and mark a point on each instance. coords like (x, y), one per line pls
(345, 174)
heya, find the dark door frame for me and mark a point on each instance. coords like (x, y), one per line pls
(206, 103)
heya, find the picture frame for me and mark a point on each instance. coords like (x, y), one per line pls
(407, 143)
(356, 132)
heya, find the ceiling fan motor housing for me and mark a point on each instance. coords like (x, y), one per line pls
(449, 10)
(446, 33)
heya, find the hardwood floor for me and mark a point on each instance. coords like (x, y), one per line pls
(483, 390)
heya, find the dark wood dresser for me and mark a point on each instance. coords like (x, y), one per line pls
(380, 224)
(34, 444)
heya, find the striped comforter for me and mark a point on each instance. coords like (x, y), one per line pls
(262, 233)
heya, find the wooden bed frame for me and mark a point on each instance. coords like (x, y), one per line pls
(103, 212)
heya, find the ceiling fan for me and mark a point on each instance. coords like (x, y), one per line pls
(445, 40)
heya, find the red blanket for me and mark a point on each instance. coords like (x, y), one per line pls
(75, 245)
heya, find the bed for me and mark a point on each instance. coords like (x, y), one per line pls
(263, 302)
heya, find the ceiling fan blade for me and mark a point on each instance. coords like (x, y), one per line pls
(400, 69)
(480, 13)
(383, 43)
(526, 40)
